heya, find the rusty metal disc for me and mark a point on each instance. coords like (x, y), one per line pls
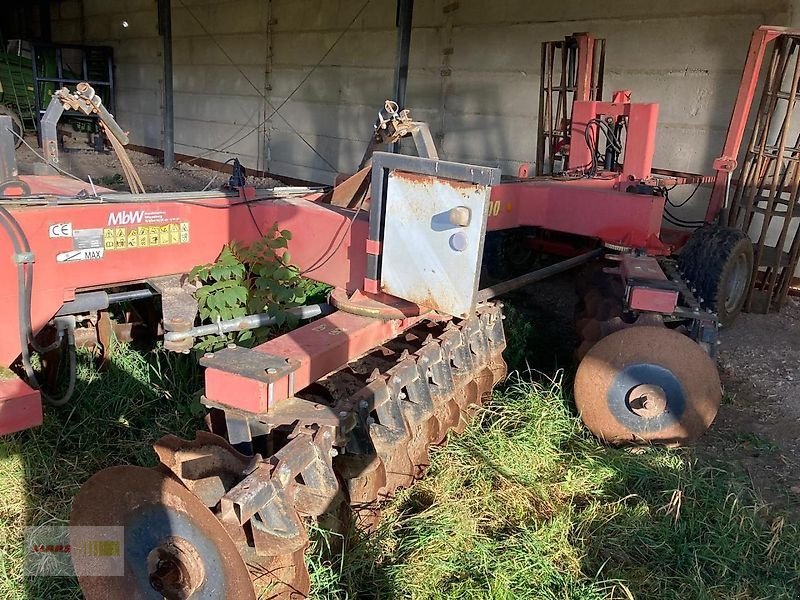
(283, 577)
(647, 384)
(173, 547)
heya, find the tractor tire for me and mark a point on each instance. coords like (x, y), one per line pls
(16, 124)
(718, 264)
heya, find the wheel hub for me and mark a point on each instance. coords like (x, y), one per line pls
(173, 545)
(647, 400)
(175, 569)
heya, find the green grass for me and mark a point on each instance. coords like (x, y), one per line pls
(523, 505)
(526, 505)
(116, 414)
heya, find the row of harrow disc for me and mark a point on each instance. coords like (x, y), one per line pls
(234, 525)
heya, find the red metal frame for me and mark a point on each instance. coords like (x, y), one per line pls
(586, 44)
(335, 249)
(332, 251)
(587, 207)
(640, 143)
(212, 224)
(316, 349)
(726, 163)
(597, 207)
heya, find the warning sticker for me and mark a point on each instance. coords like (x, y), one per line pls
(143, 236)
(78, 255)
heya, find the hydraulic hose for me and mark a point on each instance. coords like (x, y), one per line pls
(23, 257)
(20, 242)
(73, 370)
(6, 221)
(249, 322)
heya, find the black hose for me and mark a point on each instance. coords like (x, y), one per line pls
(73, 372)
(24, 294)
(686, 225)
(23, 330)
(20, 242)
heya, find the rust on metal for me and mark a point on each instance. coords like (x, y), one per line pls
(346, 444)
(164, 523)
(352, 192)
(377, 306)
(624, 379)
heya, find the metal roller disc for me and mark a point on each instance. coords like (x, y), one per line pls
(173, 546)
(647, 384)
(282, 577)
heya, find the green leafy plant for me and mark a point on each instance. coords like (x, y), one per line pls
(109, 180)
(252, 279)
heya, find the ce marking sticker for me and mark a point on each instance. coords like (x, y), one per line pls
(60, 230)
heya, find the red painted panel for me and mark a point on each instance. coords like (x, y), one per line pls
(320, 347)
(327, 244)
(587, 207)
(652, 300)
(20, 406)
(642, 268)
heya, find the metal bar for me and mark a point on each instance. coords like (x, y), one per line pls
(247, 322)
(405, 11)
(59, 63)
(48, 130)
(36, 95)
(92, 301)
(315, 349)
(538, 275)
(165, 29)
(117, 297)
(68, 80)
(110, 68)
(8, 159)
(781, 144)
(744, 100)
(541, 135)
(742, 216)
(583, 91)
(599, 74)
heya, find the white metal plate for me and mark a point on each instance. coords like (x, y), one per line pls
(427, 259)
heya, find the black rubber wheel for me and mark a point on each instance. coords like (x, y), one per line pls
(16, 124)
(718, 263)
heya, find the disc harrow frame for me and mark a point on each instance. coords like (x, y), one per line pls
(391, 406)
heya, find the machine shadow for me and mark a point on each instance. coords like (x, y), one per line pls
(648, 509)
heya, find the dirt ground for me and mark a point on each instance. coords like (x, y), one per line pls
(104, 170)
(758, 426)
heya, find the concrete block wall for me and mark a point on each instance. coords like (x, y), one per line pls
(474, 73)
(139, 72)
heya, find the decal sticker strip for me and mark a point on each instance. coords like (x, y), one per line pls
(145, 236)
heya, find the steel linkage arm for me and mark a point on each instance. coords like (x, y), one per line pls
(86, 101)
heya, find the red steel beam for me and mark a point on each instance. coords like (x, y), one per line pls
(586, 207)
(726, 164)
(319, 348)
